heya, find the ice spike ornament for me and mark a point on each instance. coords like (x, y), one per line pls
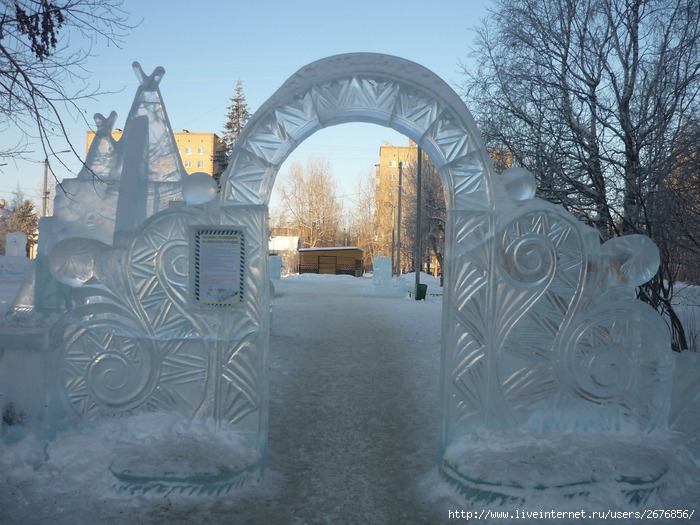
(164, 170)
(102, 161)
(86, 206)
(163, 157)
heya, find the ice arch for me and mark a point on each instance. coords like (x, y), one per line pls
(362, 87)
(540, 329)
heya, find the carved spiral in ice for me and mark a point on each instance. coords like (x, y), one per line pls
(597, 366)
(172, 263)
(115, 380)
(602, 374)
(199, 188)
(529, 260)
(633, 259)
(617, 358)
(520, 183)
(107, 373)
(158, 266)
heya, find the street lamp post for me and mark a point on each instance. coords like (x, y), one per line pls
(418, 255)
(398, 232)
(393, 230)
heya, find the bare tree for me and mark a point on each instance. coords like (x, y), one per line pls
(363, 225)
(23, 218)
(594, 97)
(42, 75)
(677, 207)
(308, 192)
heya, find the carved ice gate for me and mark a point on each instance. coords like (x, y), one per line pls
(540, 327)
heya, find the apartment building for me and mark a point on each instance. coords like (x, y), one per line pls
(394, 163)
(199, 151)
(393, 160)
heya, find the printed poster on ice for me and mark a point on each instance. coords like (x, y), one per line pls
(219, 264)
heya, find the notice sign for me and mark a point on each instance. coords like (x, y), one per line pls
(219, 264)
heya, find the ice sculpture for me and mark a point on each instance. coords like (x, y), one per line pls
(16, 244)
(137, 338)
(144, 166)
(381, 273)
(541, 330)
(382, 279)
(15, 260)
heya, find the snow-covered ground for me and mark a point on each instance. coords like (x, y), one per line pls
(354, 380)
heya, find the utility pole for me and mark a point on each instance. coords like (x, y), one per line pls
(417, 264)
(398, 233)
(45, 195)
(393, 230)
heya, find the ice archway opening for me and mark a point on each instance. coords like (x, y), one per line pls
(374, 89)
(540, 329)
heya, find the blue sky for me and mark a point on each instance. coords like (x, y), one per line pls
(207, 45)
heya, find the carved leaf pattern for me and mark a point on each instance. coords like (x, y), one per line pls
(511, 292)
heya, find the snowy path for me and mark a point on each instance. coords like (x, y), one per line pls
(353, 403)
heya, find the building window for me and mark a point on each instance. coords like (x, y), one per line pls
(188, 151)
(200, 164)
(200, 151)
(392, 163)
(188, 164)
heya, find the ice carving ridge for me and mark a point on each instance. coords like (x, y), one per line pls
(525, 276)
(541, 331)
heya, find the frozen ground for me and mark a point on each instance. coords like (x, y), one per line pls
(353, 433)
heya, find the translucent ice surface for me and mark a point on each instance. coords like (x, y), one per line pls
(134, 338)
(16, 244)
(381, 273)
(519, 183)
(633, 260)
(198, 188)
(541, 331)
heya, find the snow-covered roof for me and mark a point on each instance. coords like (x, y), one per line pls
(330, 248)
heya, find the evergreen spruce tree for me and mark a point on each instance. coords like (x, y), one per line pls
(236, 117)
